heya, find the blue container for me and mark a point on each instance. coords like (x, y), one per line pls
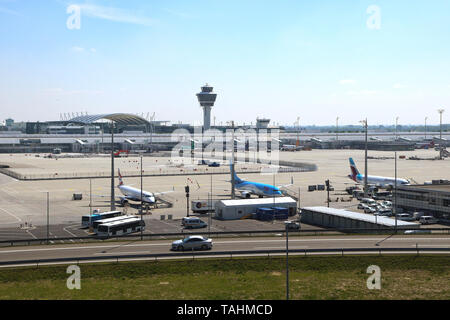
(281, 213)
(265, 214)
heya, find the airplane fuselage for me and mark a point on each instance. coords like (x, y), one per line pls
(380, 181)
(134, 194)
(260, 189)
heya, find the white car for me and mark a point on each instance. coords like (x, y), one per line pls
(385, 212)
(362, 206)
(193, 222)
(369, 210)
(405, 217)
(428, 220)
(192, 243)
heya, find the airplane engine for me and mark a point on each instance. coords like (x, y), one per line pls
(123, 201)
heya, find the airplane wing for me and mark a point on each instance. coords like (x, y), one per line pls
(163, 193)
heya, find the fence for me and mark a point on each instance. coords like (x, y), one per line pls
(217, 234)
(230, 254)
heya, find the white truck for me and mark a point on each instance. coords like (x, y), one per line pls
(203, 206)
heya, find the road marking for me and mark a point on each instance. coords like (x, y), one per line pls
(20, 220)
(220, 242)
(121, 252)
(431, 245)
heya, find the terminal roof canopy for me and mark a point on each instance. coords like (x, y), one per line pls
(119, 118)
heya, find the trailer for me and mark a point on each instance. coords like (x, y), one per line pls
(203, 206)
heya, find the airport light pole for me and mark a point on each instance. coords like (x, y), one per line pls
(364, 122)
(337, 128)
(395, 192)
(441, 111)
(426, 118)
(298, 132)
(396, 124)
(233, 182)
(142, 202)
(113, 204)
(48, 218)
(287, 261)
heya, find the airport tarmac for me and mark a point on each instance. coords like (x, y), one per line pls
(25, 201)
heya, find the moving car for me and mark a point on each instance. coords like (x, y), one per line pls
(192, 243)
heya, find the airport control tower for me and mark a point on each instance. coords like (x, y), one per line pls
(206, 98)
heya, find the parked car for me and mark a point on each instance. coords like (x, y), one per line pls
(190, 223)
(428, 220)
(192, 243)
(362, 206)
(385, 212)
(369, 210)
(292, 225)
(405, 217)
(418, 215)
(214, 164)
(417, 231)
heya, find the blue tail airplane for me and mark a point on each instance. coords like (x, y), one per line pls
(247, 188)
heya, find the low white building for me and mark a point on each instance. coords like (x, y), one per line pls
(242, 208)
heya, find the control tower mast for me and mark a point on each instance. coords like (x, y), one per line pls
(206, 98)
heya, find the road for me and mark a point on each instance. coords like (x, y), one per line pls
(235, 244)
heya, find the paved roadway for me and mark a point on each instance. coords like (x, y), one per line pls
(235, 244)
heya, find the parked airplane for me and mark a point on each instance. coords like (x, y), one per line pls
(247, 188)
(425, 145)
(382, 182)
(290, 147)
(134, 194)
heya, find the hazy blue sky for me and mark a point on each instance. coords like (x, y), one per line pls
(279, 59)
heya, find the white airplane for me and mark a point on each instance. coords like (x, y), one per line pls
(382, 182)
(247, 188)
(290, 147)
(134, 194)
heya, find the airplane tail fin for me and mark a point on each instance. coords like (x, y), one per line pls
(353, 169)
(120, 178)
(236, 178)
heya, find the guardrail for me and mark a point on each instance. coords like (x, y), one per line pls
(217, 234)
(192, 254)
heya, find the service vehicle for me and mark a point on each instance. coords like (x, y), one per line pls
(122, 227)
(193, 222)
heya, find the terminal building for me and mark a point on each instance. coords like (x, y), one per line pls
(432, 199)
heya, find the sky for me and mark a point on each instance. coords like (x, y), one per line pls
(317, 60)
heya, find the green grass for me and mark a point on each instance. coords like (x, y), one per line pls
(403, 277)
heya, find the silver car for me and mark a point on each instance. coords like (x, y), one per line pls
(192, 243)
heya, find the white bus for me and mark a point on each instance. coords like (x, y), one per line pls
(120, 227)
(87, 220)
(96, 223)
